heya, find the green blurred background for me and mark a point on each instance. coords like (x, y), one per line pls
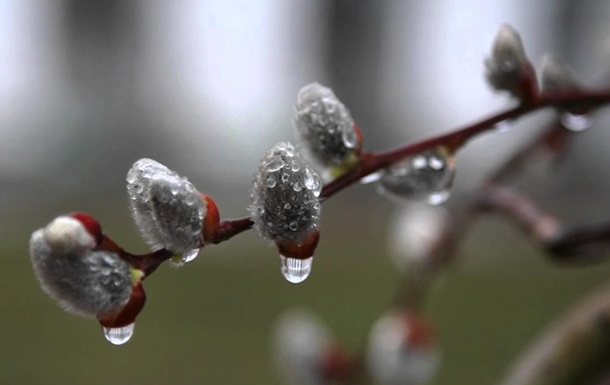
(87, 88)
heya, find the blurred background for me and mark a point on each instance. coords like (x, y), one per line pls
(206, 87)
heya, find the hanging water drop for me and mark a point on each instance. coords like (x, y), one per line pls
(179, 260)
(190, 255)
(575, 122)
(120, 335)
(438, 197)
(425, 177)
(295, 270)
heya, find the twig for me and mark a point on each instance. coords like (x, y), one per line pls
(574, 350)
(372, 162)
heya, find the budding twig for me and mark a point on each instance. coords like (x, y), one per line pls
(372, 162)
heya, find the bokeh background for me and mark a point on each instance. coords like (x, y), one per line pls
(205, 87)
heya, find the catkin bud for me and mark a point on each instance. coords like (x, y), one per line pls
(556, 75)
(415, 231)
(284, 197)
(506, 61)
(168, 210)
(305, 352)
(326, 126)
(402, 350)
(81, 279)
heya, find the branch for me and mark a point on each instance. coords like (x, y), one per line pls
(582, 242)
(534, 221)
(554, 139)
(372, 162)
(574, 350)
(577, 244)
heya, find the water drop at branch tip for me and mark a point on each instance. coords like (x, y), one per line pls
(180, 259)
(120, 335)
(575, 122)
(295, 270)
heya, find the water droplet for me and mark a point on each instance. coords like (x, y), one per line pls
(502, 127)
(349, 137)
(374, 177)
(575, 122)
(174, 188)
(312, 182)
(419, 162)
(271, 182)
(289, 149)
(275, 164)
(293, 226)
(190, 199)
(426, 177)
(436, 163)
(295, 270)
(330, 105)
(287, 206)
(298, 186)
(190, 255)
(119, 336)
(295, 166)
(132, 175)
(285, 177)
(438, 197)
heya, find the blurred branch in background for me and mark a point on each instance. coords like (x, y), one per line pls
(575, 349)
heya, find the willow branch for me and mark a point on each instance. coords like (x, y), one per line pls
(455, 140)
(573, 350)
(588, 243)
(553, 140)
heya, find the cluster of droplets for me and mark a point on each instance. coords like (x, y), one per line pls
(325, 125)
(166, 208)
(427, 176)
(284, 204)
